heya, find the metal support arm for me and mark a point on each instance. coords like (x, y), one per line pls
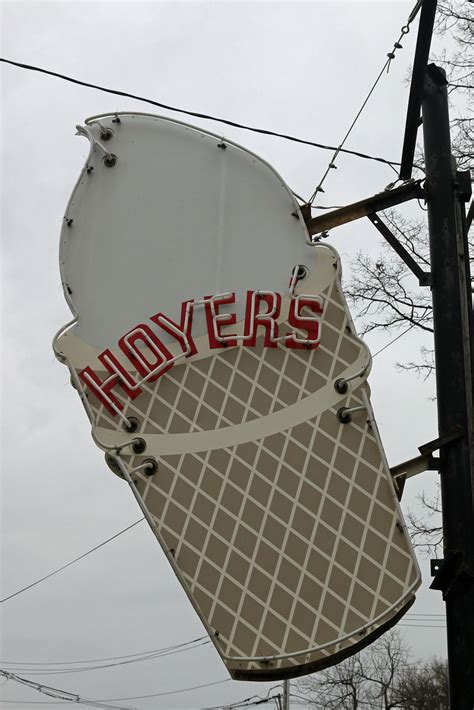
(381, 201)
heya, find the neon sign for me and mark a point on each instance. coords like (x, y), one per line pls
(151, 358)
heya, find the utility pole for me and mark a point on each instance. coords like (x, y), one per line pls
(286, 695)
(452, 321)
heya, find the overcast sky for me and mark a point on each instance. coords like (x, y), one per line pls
(299, 68)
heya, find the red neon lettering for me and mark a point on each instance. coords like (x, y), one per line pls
(311, 324)
(253, 317)
(162, 356)
(216, 320)
(103, 389)
(181, 332)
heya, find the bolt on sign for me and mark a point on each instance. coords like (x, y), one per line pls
(216, 359)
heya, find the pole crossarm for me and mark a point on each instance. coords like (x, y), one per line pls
(423, 277)
(382, 201)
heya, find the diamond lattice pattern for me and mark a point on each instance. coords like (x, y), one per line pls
(287, 543)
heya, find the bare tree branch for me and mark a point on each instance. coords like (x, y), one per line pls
(380, 677)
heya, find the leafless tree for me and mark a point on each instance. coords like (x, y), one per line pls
(341, 686)
(427, 532)
(456, 20)
(383, 290)
(424, 688)
(388, 658)
(380, 678)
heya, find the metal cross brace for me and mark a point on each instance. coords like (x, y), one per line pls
(424, 278)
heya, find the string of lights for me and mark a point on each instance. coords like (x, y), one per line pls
(386, 66)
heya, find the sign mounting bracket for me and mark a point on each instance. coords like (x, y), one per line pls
(425, 461)
(411, 190)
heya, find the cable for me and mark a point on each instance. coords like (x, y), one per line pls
(63, 695)
(110, 658)
(170, 692)
(63, 671)
(390, 56)
(196, 114)
(97, 703)
(256, 700)
(51, 574)
(246, 702)
(400, 335)
(422, 626)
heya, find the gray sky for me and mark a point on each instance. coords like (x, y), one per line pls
(299, 68)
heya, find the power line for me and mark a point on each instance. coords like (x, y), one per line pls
(68, 564)
(390, 56)
(246, 702)
(73, 697)
(196, 114)
(237, 703)
(62, 695)
(390, 342)
(414, 621)
(422, 626)
(63, 671)
(100, 660)
(170, 692)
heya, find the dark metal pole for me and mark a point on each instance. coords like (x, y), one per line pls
(454, 390)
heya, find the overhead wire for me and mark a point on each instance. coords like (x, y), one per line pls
(390, 342)
(414, 621)
(109, 658)
(169, 692)
(246, 702)
(140, 659)
(102, 703)
(68, 564)
(58, 694)
(197, 114)
(390, 57)
(422, 626)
